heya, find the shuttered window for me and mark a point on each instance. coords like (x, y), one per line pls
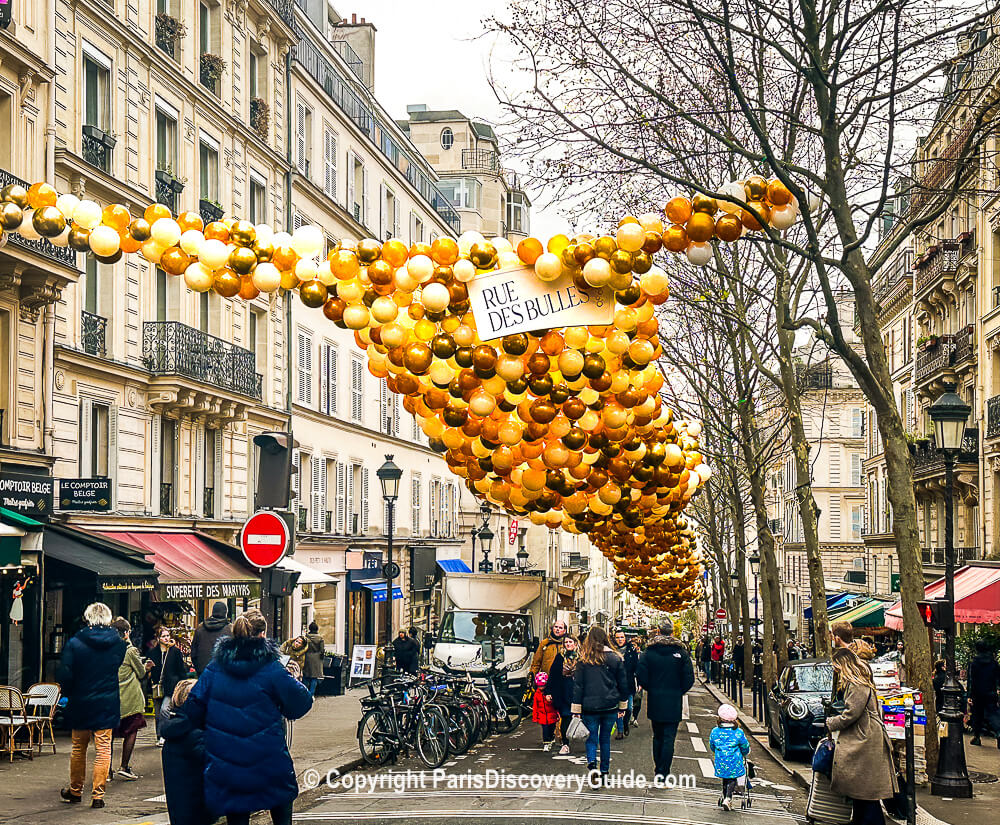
(329, 356)
(341, 509)
(304, 385)
(300, 137)
(415, 504)
(330, 162)
(364, 501)
(318, 503)
(357, 387)
(834, 518)
(834, 464)
(855, 469)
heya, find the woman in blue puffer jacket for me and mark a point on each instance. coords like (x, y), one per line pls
(242, 700)
(730, 746)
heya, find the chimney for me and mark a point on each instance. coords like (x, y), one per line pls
(354, 19)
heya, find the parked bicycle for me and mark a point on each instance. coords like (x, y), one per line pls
(400, 718)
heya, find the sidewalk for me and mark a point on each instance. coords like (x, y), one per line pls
(325, 739)
(984, 760)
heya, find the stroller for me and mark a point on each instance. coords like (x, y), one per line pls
(746, 802)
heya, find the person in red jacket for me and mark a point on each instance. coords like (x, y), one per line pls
(718, 651)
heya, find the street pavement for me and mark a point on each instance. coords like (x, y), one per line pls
(442, 798)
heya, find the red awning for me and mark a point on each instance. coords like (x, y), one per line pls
(186, 558)
(977, 597)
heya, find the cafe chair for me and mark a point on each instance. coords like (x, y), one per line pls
(13, 720)
(42, 701)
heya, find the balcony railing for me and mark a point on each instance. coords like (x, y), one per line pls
(302, 520)
(816, 377)
(210, 211)
(481, 160)
(901, 270)
(928, 461)
(172, 348)
(166, 498)
(285, 10)
(943, 262)
(993, 417)
(774, 525)
(208, 502)
(575, 561)
(64, 255)
(351, 58)
(935, 359)
(97, 146)
(935, 555)
(964, 345)
(93, 333)
(168, 188)
(165, 35)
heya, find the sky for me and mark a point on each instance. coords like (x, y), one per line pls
(435, 52)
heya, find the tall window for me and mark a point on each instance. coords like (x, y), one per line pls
(257, 337)
(203, 311)
(465, 193)
(855, 469)
(304, 386)
(208, 167)
(357, 387)
(258, 199)
(389, 213)
(161, 295)
(168, 464)
(96, 90)
(416, 228)
(166, 142)
(329, 162)
(415, 504)
(328, 379)
(357, 189)
(253, 70)
(211, 449)
(205, 39)
(517, 213)
(303, 136)
(96, 429)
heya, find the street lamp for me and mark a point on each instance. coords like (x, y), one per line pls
(389, 475)
(477, 532)
(522, 553)
(486, 542)
(754, 561)
(950, 414)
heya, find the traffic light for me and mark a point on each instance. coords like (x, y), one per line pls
(935, 613)
(274, 470)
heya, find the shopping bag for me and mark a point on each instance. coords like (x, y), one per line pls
(577, 731)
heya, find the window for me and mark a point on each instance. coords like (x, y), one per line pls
(465, 193)
(857, 520)
(357, 499)
(357, 189)
(447, 138)
(303, 494)
(415, 504)
(6, 130)
(388, 213)
(328, 379)
(318, 469)
(304, 386)
(258, 74)
(329, 162)
(257, 336)
(208, 34)
(166, 142)
(208, 168)
(212, 454)
(204, 306)
(303, 136)
(95, 426)
(357, 387)
(858, 422)
(834, 518)
(168, 464)
(258, 199)
(855, 469)
(517, 213)
(416, 228)
(96, 89)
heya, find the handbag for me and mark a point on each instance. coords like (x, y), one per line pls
(577, 731)
(158, 687)
(822, 761)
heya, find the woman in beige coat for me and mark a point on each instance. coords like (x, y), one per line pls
(863, 769)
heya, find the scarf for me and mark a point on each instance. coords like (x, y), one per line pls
(569, 665)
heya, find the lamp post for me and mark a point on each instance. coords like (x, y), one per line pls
(949, 414)
(522, 553)
(485, 512)
(389, 475)
(486, 542)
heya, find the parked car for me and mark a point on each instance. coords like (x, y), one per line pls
(795, 715)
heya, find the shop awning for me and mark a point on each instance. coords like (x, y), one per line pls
(378, 591)
(192, 566)
(870, 613)
(832, 603)
(454, 566)
(307, 574)
(977, 597)
(116, 568)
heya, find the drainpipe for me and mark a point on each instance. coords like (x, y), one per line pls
(288, 225)
(50, 126)
(49, 318)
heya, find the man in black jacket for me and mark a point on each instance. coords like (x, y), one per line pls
(666, 673)
(984, 676)
(207, 634)
(630, 655)
(407, 653)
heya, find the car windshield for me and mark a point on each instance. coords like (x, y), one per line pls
(473, 627)
(811, 679)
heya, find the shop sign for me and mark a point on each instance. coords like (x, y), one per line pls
(120, 585)
(515, 300)
(362, 662)
(191, 591)
(91, 495)
(27, 494)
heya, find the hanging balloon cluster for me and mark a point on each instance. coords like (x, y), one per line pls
(563, 425)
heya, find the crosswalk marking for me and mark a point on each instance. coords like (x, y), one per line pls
(698, 744)
(692, 727)
(707, 767)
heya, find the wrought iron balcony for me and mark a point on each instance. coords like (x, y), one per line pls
(935, 359)
(816, 376)
(97, 147)
(168, 188)
(165, 35)
(210, 211)
(943, 262)
(993, 417)
(964, 342)
(172, 348)
(351, 58)
(927, 461)
(284, 9)
(166, 498)
(64, 255)
(893, 276)
(575, 561)
(93, 334)
(934, 556)
(481, 160)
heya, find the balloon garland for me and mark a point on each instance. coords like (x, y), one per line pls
(564, 426)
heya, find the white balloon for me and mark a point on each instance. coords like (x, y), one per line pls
(782, 217)
(214, 254)
(281, 239)
(192, 241)
(265, 234)
(306, 269)
(699, 254)
(27, 228)
(266, 277)
(67, 204)
(307, 241)
(87, 214)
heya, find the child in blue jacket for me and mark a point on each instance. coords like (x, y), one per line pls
(730, 746)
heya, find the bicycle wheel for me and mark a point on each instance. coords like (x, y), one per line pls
(508, 716)
(375, 737)
(432, 737)
(459, 740)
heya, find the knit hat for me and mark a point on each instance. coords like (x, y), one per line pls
(727, 713)
(541, 679)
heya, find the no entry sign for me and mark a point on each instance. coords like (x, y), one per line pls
(264, 539)
(720, 614)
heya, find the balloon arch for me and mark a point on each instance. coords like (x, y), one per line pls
(563, 425)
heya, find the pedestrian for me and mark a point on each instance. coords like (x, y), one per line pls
(166, 668)
(543, 711)
(241, 702)
(984, 676)
(739, 654)
(864, 649)
(841, 634)
(407, 653)
(560, 687)
(718, 653)
(183, 760)
(630, 655)
(940, 677)
(793, 650)
(207, 634)
(900, 656)
(315, 651)
(729, 747)
(665, 673)
(863, 768)
(600, 694)
(88, 676)
(295, 649)
(705, 654)
(548, 648)
(131, 672)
